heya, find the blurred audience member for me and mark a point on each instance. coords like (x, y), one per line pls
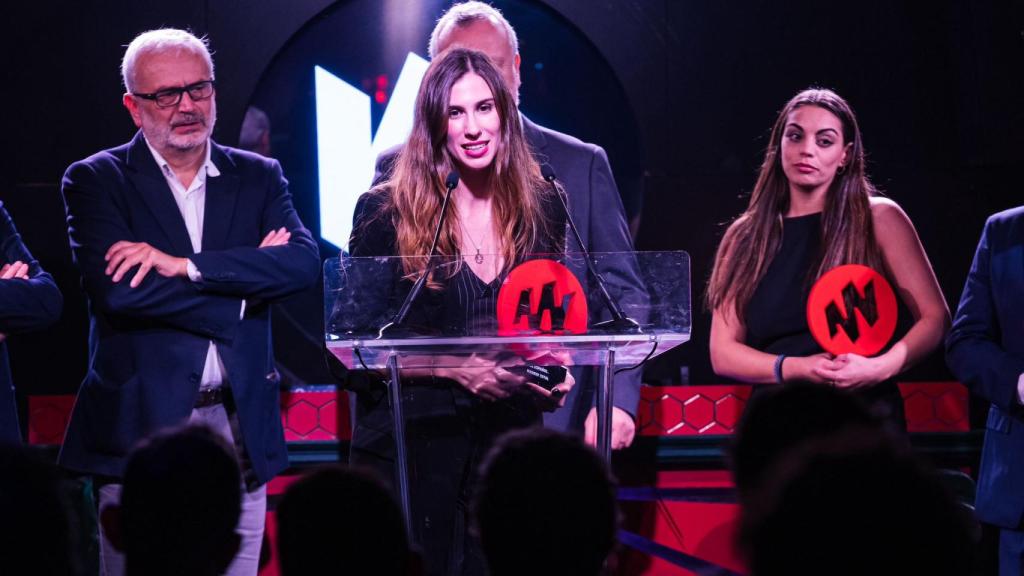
(781, 418)
(853, 504)
(179, 506)
(35, 535)
(545, 506)
(342, 521)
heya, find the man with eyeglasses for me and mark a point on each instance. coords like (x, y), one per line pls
(182, 244)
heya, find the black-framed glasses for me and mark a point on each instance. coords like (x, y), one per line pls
(172, 96)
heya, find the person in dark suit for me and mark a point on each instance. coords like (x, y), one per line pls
(985, 350)
(29, 300)
(183, 245)
(594, 204)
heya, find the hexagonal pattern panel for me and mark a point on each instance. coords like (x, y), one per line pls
(327, 414)
(699, 412)
(301, 418)
(936, 406)
(728, 410)
(668, 414)
(691, 410)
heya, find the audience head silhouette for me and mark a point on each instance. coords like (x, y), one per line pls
(545, 505)
(36, 529)
(780, 418)
(345, 520)
(179, 506)
(854, 503)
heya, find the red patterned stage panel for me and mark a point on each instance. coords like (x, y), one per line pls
(323, 415)
(704, 410)
(315, 416)
(691, 410)
(936, 406)
(307, 416)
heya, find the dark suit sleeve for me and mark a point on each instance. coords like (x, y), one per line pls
(264, 273)
(974, 351)
(609, 233)
(31, 304)
(95, 223)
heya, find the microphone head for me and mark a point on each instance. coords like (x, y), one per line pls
(452, 180)
(547, 172)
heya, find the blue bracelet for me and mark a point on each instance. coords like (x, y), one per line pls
(778, 368)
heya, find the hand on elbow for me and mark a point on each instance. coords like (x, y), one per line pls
(17, 270)
(124, 255)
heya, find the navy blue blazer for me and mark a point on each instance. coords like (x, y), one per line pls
(148, 345)
(25, 305)
(596, 209)
(985, 350)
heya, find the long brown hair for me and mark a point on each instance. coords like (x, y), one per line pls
(415, 190)
(753, 239)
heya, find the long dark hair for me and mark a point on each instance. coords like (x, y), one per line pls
(752, 240)
(416, 187)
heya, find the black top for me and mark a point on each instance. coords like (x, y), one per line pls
(776, 317)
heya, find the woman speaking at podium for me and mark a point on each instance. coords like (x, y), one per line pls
(466, 135)
(811, 210)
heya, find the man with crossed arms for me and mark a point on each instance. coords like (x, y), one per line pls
(183, 244)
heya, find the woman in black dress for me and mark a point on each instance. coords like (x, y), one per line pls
(466, 121)
(812, 209)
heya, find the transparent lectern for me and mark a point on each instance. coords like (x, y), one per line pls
(363, 295)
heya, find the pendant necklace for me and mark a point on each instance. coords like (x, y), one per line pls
(479, 258)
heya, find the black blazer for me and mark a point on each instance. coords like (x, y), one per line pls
(148, 345)
(25, 305)
(985, 350)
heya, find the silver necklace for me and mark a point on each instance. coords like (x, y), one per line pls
(479, 258)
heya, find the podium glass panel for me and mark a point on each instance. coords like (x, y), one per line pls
(362, 295)
(550, 310)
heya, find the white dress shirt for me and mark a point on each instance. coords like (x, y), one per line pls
(191, 202)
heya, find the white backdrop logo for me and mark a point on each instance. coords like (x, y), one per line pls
(345, 143)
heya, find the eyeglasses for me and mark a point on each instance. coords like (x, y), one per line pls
(172, 96)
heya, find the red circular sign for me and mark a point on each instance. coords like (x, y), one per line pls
(541, 296)
(852, 309)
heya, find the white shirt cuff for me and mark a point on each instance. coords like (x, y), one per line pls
(1020, 389)
(192, 271)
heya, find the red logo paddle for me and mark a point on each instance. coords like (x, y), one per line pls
(541, 296)
(852, 309)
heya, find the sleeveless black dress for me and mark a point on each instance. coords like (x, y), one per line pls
(776, 318)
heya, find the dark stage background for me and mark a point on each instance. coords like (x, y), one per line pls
(680, 93)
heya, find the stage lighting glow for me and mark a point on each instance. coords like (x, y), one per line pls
(346, 147)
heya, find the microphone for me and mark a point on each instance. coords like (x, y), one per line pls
(619, 321)
(450, 182)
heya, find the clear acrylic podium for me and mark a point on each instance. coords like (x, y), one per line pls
(362, 296)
